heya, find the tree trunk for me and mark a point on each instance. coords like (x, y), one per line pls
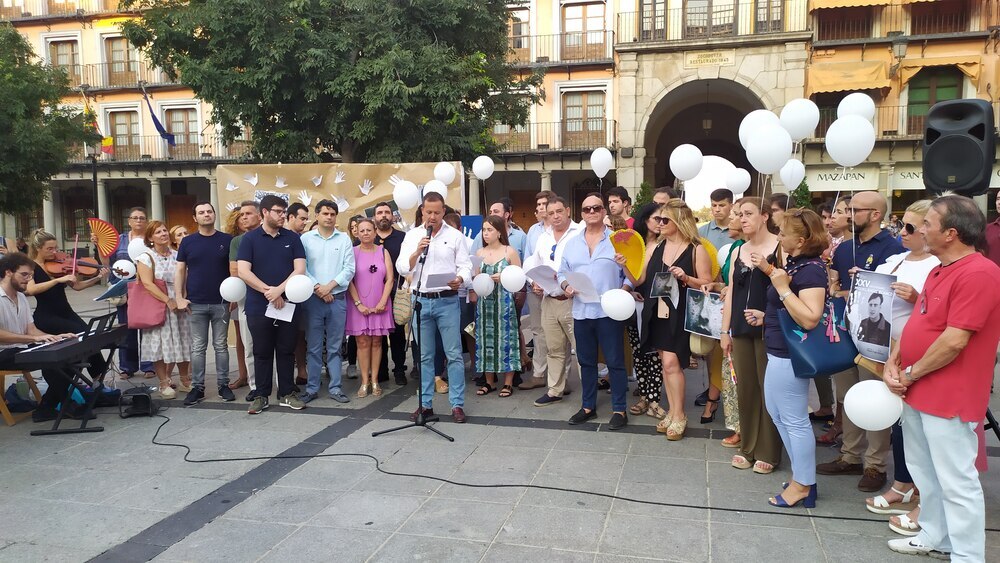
(347, 151)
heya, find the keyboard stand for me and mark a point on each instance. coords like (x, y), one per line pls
(80, 381)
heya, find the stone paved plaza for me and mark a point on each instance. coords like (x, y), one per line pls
(115, 496)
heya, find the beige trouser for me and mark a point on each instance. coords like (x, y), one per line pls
(247, 345)
(879, 445)
(557, 322)
(534, 329)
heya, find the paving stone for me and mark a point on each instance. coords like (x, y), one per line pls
(583, 464)
(505, 458)
(656, 444)
(558, 528)
(791, 518)
(227, 540)
(327, 474)
(402, 547)
(574, 500)
(851, 547)
(602, 442)
(462, 519)
(732, 542)
(504, 494)
(503, 553)
(367, 510)
(524, 437)
(634, 537)
(322, 545)
(284, 505)
(687, 499)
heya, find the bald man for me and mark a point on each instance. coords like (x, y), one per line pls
(869, 249)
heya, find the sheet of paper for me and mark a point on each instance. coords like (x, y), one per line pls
(585, 290)
(439, 280)
(545, 277)
(283, 314)
(530, 262)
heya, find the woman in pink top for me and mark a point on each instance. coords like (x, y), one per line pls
(370, 317)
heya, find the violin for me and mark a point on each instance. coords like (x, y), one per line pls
(64, 264)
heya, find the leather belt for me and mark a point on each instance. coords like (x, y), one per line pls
(438, 294)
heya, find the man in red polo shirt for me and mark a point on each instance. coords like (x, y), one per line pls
(993, 236)
(943, 367)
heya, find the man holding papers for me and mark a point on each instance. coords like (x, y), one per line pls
(438, 256)
(267, 258)
(557, 309)
(587, 270)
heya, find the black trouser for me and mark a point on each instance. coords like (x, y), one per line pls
(396, 341)
(352, 351)
(273, 343)
(58, 380)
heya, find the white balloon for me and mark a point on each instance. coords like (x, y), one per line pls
(850, 140)
(482, 167)
(436, 186)
(800, 117)
(738, 181)
(601, 161)
(792, 174)
(406, 195)
(483, 285)
(299, 288)
(618, 304)
(512, 278)
(685, 162)
(770, 149)
(233, 289)
(137, 248)
(871, 406)
(444, 173)
(857, 104)
(124, 269)
(753, 122)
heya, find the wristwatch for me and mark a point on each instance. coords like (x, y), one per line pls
(357, 302)
(907, 372)
(784, 296)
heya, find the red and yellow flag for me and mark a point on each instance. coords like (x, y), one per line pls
(107, 143)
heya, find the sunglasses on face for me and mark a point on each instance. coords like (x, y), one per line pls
(910, 229)
(593, 208)
(661, 220)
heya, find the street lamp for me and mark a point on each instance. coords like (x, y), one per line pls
(92, 153)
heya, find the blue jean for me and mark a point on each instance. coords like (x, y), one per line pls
(327, 319)
(900, 472)
(441, 316)
(203, 315)
(128, 352)
(606, 333)
(787, 401)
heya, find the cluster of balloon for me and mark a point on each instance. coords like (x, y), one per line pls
(407, 195)
(851, 138)
(770, 142)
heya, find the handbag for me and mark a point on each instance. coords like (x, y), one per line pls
(402, 303)
(826, 349)
(144, 310)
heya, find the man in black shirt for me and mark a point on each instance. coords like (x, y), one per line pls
(391, 239)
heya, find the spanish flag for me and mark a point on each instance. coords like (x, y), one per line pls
(107, 143)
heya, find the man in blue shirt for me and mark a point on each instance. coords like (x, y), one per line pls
(503, 210)
(268, 257)
(202, 266)
(716, 231)
(868, 250)
(592, 254)
(330, 265)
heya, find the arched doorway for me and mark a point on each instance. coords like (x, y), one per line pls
(704, 113)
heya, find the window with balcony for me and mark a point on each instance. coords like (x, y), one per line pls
(519, 32)
(709, 18)
(843, 23)
(240, 145)
(653, 20)
(950, 16)
(11, 9)
(512, 138)
(583, 32)
(769, 16)
(122, 62)
(63, 7)
(928, 87)
(583, 123)
(827, 103)
(183, 125)
(125, 134)
(65, 54)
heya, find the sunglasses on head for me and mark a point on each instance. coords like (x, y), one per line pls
(909, 228)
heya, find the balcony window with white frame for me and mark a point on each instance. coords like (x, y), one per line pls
(769, 16)
(709, 18)
(125, 134)
(928, 87)
(583, 32)
(65, 54)
(583, 119)
(182, 123)
(122, 62)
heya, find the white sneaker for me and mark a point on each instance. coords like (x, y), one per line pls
(913, 546)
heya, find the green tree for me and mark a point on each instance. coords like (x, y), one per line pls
(642, 197)
(36, 133)
(801, 196)
(375, 81)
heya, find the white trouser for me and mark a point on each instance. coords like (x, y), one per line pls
(247, 345)
(941, 456)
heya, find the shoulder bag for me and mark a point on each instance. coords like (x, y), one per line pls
(402, 303)
(144, 310)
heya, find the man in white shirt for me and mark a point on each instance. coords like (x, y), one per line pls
(557, 308)
(437, 249)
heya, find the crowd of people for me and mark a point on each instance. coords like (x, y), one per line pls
(761, 254)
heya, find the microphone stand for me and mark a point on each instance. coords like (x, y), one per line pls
(422, 419)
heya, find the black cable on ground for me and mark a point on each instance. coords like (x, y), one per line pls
(378, 468)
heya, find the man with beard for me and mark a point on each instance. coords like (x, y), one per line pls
(391, 239)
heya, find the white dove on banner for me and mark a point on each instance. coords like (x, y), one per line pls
(342, 204)
(280, 183)
(232, 206)
(394, 180)
(305, 198)
(340, 177)
(317, 180)
(366, 188)
(252, 180)
(231, 187)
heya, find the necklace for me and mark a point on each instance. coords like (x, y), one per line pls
(373, 268)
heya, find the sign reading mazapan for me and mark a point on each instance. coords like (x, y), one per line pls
(726, 57)
(828, 179)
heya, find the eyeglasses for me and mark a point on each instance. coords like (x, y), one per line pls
(552, 256)
(661, 219)
(373, 268)
(910, 229)
(853, 210)
(137, 218)
(279, 212)
(593, 208)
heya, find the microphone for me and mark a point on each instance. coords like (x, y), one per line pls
(430, 231)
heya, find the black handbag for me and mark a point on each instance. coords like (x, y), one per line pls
(826, 349)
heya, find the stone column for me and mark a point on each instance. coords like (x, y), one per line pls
(155, 200)
(546, 176)
(102, 200)
(474, 195)
(213, 197)
(49, 212)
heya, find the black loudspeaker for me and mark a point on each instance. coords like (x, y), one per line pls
(959, 147)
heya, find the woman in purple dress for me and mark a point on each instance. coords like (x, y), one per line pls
(370, 317)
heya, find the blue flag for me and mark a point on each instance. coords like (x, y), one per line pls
(169, 137)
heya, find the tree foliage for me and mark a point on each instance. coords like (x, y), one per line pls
(36, 133)
(375, 81)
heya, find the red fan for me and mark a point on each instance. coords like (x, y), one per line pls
(107, 236)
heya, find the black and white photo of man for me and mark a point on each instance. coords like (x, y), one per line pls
(874, 328)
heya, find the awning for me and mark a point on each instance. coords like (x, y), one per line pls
(968, 64)
(848, 76)
(915, 1)
(824, 4)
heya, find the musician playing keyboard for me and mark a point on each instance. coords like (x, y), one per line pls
(18, 330)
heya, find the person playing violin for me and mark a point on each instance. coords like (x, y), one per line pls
(53, 313)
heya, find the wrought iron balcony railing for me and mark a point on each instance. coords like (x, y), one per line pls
(562, 48)
(706, 21)
(565, 135)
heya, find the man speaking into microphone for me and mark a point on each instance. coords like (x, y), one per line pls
(438, 259)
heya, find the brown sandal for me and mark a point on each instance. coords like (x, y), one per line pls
(640, 407)
(506, 391)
